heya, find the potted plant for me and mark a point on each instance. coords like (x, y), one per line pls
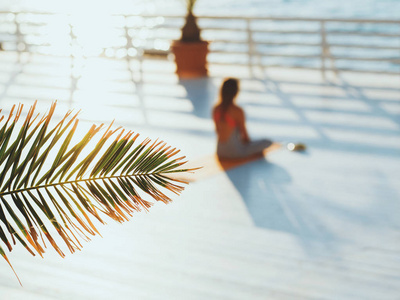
(190, 51)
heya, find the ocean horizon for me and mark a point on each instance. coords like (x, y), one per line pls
(370, 9)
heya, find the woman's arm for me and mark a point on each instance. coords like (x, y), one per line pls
(242, 126)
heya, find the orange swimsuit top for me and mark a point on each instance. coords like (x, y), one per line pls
(227, 118)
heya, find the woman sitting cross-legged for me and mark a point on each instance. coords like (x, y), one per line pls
(229, 118)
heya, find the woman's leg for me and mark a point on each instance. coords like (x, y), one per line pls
(234, 148)
(255, 147)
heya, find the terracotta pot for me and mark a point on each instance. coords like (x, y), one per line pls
(190, 58)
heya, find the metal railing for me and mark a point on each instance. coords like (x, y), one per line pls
(325, 44)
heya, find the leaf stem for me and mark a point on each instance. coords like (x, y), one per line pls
(76, 181)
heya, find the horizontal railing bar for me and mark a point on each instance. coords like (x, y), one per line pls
(357, 33)
(268, 54)
(264, 43)
(294, 19)
(230, 52)
(279, 31)
(360, 33)
(386, 59)
(396, 60)
(286, 32)
(288, 44)
(364, 46)
(304, 44)
(317, 32)
(330, 45)
(334, 32)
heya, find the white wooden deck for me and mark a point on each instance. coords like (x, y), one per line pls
(317, 225)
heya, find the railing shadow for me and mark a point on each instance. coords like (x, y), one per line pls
(382, 123)
(258, 183)
(202, 94)
(266, 190)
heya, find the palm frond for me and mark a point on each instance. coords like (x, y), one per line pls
(49, 179)
(190, 5)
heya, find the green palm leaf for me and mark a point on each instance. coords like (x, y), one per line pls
(49, 177)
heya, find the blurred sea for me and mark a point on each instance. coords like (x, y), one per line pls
(374, 9)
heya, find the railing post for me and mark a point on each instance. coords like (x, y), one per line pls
(250, 43)
(20, 45)
(71, 38)
(323, 47)
(128, 46)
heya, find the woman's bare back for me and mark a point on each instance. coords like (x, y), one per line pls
(226, 123)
